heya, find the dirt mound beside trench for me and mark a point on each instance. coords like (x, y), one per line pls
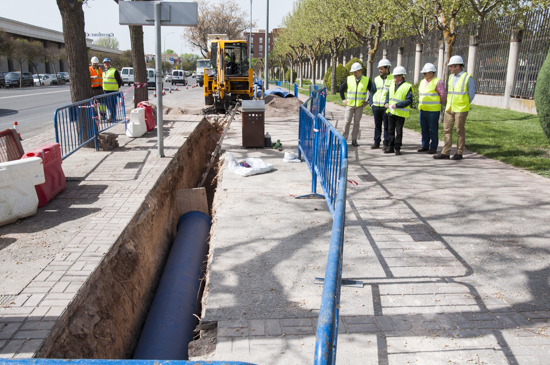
(276, 106)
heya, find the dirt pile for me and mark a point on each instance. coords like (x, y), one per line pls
(276, 106)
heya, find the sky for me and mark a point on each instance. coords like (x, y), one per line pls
(101, 16)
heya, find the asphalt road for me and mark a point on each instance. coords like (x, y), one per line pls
(33, 107)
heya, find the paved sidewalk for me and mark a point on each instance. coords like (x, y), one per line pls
(46, 259)
(453, 256)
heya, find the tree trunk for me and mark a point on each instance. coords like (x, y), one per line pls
(75, 44)
(300, 68)
(313, 61)
(370, 56)
(291, 72)
(334, 58)
(138, 62)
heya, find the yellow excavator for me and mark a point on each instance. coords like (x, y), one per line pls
(232, 79)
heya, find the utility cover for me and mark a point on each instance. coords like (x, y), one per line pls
(143, 13)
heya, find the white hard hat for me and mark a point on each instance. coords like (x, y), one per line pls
(428, 67)
(95, 60)
(384, 62)
(399, 70)
(356, 67)
(456, 60)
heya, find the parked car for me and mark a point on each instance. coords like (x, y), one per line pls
(127, 75)
(57, 80)
(63, 75)
(2, 79)
(168, 78)
(12, 79)
(42, 79)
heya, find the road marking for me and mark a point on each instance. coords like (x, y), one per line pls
(19, 96)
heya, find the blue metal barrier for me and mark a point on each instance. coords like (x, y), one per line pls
(80, 123)
(326, 153)
(115, 362)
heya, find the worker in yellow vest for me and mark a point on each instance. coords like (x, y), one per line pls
(431, 95)
(111, 83)
(96, 77)
(460, 93)
(398, 102)
(356, 87)
(377, 99)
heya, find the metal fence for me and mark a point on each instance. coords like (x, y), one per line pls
(492, 56)
(532, 52)
(80, 123)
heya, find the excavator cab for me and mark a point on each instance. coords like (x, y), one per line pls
(233, 78)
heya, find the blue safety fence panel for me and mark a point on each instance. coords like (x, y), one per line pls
(327, 323)
(112, 110)
(319, 99)
(326, 153)
(74, 126)
(331, 149)
(115, 362)
(306, 134)
(80, 123)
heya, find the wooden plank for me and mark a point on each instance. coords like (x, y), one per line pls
(189, 200)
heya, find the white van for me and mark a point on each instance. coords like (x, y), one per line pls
(179, 77)
(151, 82)
(127, 75)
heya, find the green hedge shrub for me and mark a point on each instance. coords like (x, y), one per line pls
(294, 75)
(341, 74)
(542, 96)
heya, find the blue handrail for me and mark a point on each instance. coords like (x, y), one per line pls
(80, 123)
(326, 154)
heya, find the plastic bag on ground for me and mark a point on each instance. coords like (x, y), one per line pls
(257, 166)
(291, 157)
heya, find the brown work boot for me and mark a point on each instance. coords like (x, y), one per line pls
(431, 151)
(375, 146)
(441, 157)
(422, 149)
(457, 157)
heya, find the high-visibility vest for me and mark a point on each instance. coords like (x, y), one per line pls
(458, 99)
(397, 96)
(382, 87)
(428, 99)
(97, 77)
(109, 81)
(357, 92)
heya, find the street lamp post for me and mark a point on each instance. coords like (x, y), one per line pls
(164, 69)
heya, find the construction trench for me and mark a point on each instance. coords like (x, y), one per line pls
(105, 319)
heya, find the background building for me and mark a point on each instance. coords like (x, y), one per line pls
(259, 43)
(49, 38)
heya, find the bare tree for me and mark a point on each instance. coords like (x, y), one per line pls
(223, 18)
(6, 44)
(19, 54)
(35, 54)
(52, 55)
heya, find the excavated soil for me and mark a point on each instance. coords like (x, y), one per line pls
(106, 318)
(275, 106)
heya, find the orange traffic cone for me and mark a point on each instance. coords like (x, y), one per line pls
(170, 90)
(16, 127)
(177, 88)
(163, 92)
(187, 87)
(154, 94)
(133, 98)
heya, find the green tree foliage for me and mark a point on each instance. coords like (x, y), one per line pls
(327, 75)
(189, 61)
(341, 74)
(287, 75)
(542, 96)
(108, 42)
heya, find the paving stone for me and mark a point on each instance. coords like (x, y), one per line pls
(257, 327)
(296, 322)
(7, 330)
(385, 324)
(11, 348)
(28, 349)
